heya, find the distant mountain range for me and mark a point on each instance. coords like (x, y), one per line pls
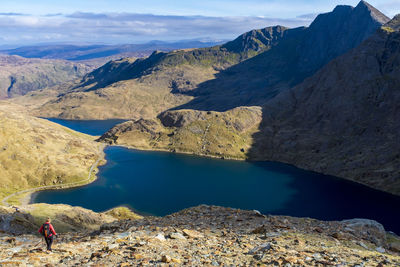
(90, 52)
(326, 97)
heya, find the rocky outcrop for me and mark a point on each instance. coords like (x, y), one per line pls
(216, 134)
(207, 235)
(256, 40)
(18, 220)
(180, 118)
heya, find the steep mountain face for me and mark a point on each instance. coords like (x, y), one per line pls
(146, 87)
(300, 54)
(19, 76)
(344, 120)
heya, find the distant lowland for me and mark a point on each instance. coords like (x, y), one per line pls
(323, 98)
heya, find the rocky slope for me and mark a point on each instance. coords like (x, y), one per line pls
(344, 120)
(19, 76)
(27, 219)
(35, 152)
(213, 236)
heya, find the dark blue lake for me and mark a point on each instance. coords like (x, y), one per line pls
(92, 127)
(160, 183)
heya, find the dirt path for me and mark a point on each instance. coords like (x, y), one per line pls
(4, 202)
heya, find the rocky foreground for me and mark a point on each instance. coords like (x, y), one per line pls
(212, 236)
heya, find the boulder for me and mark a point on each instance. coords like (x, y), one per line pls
(367, 229)
(192, 233)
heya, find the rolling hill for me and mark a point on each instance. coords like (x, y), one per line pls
(35, 152)
(19, 75)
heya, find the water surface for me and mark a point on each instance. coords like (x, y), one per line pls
(91, 127)
(160, 183)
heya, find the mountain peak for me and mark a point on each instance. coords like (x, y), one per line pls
(394, 23)
(375, 13)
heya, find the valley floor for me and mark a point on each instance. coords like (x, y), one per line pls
(213, 236)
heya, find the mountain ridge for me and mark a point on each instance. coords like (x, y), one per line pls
(300, 55)
(164, 76)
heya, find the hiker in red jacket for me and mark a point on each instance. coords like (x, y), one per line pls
(48, 232)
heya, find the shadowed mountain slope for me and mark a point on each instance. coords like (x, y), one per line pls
(344, 120)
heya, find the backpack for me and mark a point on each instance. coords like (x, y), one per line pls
(46, 230)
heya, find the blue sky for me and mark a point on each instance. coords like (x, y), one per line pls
(132, 21)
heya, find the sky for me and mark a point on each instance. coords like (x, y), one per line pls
(26, 22)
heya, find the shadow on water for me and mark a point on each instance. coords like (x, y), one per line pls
(91, 127)
(331, 198)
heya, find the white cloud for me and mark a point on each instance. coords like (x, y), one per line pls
(130, 28)
(390, 8)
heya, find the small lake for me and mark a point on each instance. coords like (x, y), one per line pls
(91, 127)
(159, 183)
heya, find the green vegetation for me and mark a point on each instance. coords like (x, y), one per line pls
(123, 213)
